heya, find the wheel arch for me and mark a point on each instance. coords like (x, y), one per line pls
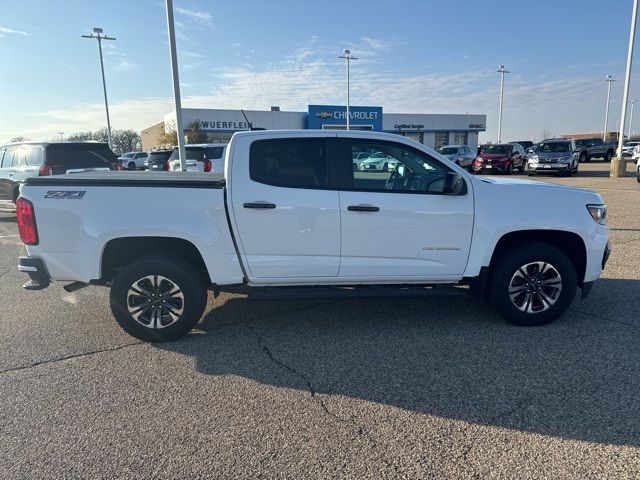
(119, 252)
(570, 243)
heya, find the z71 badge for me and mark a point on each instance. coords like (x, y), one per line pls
(65, 194)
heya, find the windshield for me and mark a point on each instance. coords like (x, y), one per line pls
(553, 147)
(497, 149)
(193, 153)
(158, 156)
(449, 150)
(214, 153)
(128, 155)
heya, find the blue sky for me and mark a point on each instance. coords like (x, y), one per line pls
(416, 56)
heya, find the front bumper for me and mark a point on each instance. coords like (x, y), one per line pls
(37, 271)
(494, 167)
(547, 167)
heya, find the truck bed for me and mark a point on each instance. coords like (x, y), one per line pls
(131, 179)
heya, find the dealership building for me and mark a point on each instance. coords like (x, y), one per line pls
(433, 130)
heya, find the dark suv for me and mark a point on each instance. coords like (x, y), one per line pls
(158, 160)
(19, 161)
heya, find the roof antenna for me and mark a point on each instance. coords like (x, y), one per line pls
(249, 123)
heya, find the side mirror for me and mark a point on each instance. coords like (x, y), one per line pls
(530, 150)
(454, 184)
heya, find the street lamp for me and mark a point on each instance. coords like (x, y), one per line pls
(176, 85)
(99, 37)
(618, 168)
(632, 102)
(501, 70)
(60, 133)
(609, 80)
(346, 54)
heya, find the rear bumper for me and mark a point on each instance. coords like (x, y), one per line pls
(37, 271)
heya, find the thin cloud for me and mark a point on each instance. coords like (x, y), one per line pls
(199, 16)
(4, 31)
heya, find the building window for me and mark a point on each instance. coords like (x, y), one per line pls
(442, 139)
(460, 138)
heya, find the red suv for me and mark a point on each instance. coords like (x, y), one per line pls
(502, 158)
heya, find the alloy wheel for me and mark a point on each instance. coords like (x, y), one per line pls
(535, 287)
(155, 301)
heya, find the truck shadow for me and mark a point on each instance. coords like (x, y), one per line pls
(578, 378)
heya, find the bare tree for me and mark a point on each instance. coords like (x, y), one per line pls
(122, 140)
(545, 133)
(20, 139)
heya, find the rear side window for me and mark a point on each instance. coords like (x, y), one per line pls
(34, 156)
(298, 163)
(80, 155)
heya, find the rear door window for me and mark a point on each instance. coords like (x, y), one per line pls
(7, 160)
(296, 163)
(193, 153)
(214, 153)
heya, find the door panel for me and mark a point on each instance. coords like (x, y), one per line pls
(414, 230)
(288, 221)
(7, 172)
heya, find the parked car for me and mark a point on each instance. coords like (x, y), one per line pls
(458, 154)
(627, 149)
(357, 158)
(554, 155)
(19, 161)
(500, 158)
(525, 144)
(133, 160)
(158, 160)
(589, 148)
(204, 157)
(380, 162)
(293, 213)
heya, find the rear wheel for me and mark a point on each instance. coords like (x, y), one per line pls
(158, 298)
(131, 166)
(533, 284)
(583, 158)
(608, 156)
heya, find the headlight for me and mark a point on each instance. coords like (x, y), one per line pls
(598, 213)
(533, 159)
(565, 160)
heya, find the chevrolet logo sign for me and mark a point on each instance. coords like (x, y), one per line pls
(324, 115)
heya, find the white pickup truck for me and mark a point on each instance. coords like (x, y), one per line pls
(291, 211)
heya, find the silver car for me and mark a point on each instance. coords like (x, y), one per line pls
(459, 154)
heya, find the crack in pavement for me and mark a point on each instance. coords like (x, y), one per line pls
(68, 357)
(314, 394)
(599, 317)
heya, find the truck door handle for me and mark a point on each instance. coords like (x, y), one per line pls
(363, 208)
(259, 205)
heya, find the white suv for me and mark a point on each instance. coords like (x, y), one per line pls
(133, 160)
(201, 157)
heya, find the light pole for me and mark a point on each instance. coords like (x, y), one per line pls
(632, 102)
(609, 80)
(501, 70)
(100, 37)
(618, 168)
(60, 133)
(346, 54)
(176, 85)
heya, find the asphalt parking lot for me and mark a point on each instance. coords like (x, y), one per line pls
(415, 388)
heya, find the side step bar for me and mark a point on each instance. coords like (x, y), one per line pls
(346, 292)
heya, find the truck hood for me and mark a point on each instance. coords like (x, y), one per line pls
(519, 187)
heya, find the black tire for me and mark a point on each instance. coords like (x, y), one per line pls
(608, 156)
(509, 170)
(568, 172)
(530, 174)
(175, 271)
(131, 166)
(583, 158)
(505, 274)
(385, 167)
(522, 166)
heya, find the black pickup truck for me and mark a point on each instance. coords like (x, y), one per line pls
(595, 148)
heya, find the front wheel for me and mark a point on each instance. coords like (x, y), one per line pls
(583, 158)
(158, 298)
(533, 284)
(385, 167)
(131, 166)
(509, 169)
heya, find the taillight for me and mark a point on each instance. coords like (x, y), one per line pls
(26, 219)
(207, 165)
(45, 170)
